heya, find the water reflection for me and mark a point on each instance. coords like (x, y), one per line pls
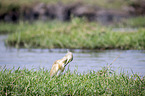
(85, 60)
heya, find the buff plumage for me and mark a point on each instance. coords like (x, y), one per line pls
(59, 65)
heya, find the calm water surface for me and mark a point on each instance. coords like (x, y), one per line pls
(84, 60)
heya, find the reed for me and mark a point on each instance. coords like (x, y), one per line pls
(6, 28)
(102, 82)
(134, 22)
(75, 34)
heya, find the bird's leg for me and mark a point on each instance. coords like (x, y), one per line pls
(58, 73)
(60, 70)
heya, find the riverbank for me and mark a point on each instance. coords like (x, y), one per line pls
(103, 82)
(104, 11)
(77, 34)
(85, 60)
(8, 28)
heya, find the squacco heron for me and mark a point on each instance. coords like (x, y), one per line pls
(59, 65)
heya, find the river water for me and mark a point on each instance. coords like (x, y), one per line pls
(84, 60)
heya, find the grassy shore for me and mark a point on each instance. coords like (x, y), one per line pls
(133, 22)
(75, 34)
(7, 28)
(104, 82)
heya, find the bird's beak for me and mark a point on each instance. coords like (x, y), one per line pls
(67, 61)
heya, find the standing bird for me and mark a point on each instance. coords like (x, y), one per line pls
(59, 65)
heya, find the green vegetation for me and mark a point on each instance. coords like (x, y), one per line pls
(134, 22)
(104, 82)
(75, 34)
(8, 27)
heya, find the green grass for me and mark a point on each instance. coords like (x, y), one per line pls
(132, 22)
(135, 21)
(75, 34)
(8, 27)
(103, 82)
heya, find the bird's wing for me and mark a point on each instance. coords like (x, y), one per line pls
(54, 70)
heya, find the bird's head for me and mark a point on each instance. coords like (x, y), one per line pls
(68, 58)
